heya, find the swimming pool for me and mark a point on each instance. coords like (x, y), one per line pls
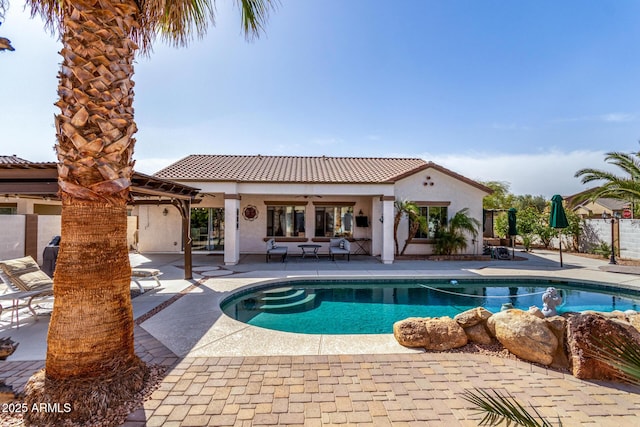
(373, 306)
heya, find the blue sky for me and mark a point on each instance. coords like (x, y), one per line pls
(525, 92)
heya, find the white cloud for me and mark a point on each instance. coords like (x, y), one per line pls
(607, 118)
(546, 173)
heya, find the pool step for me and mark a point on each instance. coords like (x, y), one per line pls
(293, 295)
(305, 304)
(278, 292)
(288, 300)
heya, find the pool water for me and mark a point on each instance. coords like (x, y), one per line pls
(372, 307)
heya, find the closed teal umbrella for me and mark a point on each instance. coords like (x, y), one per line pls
(558, 219)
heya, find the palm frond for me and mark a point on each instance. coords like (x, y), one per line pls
(503, 408)
(620, 353)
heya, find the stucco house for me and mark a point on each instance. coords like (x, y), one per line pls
(246, 200)
(595, 209)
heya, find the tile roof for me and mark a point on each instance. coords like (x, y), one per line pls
(323, 169)
(12, 160)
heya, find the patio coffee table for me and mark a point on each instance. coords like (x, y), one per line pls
(310, 249)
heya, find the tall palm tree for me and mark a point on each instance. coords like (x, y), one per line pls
(90, 355)
(623, 187)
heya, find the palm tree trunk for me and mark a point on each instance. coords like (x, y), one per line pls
(92, 322)
(91, 362)
(412, 232)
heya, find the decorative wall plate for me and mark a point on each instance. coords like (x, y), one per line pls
(250, 212)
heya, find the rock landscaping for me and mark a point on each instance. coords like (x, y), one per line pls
(565, 342)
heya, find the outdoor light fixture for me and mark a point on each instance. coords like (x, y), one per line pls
(605, 216)
(382, 218)
(165, 212)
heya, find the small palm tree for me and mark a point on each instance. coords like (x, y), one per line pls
(451, 238)
(619, 352)
(622, 187)
(499, 408)
(408, 209)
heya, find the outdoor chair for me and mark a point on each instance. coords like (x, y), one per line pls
(339, 246)
(145, 273)
(273, 249)
(24, 282)
(502, 253)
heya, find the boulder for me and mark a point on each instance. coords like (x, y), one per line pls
(525, 335)
(444, 333)
(536, 312)
(584, 331)
(472, 317)
(558, 326)
(478, 334)
(410, 332)
(634, 319)
(431, 333)
(491, 326)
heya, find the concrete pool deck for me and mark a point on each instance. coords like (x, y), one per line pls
(223, 372)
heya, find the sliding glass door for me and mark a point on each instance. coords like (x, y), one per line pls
(207, 229)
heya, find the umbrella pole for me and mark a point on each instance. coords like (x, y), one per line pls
(513, 256)
(560, 251)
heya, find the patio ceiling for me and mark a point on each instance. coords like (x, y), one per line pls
(41, 180)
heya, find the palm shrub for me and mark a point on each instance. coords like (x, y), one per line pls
(412, 212)
(619, 352)
(451, 237)
(499, 408)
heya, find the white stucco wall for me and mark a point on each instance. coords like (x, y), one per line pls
(12, 241)
(445, 188)
(629, 238)
(158, 232)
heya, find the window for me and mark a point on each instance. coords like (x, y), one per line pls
(334, 221)
(8, 209)
(285, 221)
(436, 217)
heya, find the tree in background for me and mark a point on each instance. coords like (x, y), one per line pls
(625, 187)
(90, 360)
(501, 198)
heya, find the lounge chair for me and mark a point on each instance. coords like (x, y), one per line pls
(145, 273)
(273, 249)
(24, 281)
(339, 246)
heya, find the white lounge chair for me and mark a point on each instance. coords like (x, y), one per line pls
(24, 281)
(273, 249)
(145, 273)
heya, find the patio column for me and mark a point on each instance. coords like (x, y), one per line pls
(231, 232)
(387, 229)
